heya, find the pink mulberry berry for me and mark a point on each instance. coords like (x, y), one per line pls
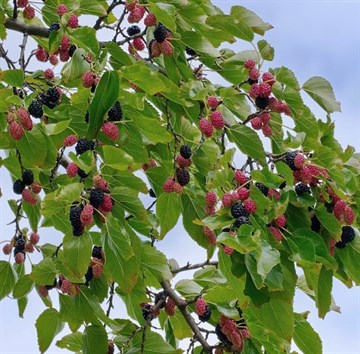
(29, 12)
(22, 3)
(250, 206)
(267, 131)
(268, 78)
(256, 123)
(150, 20)
(254, 74)
(72, 169)
(110, 130)
(88, 79)
(299, 161)
(107, 203)
(210, 235)
(243, 193)
(61, 9)
(228, 250)
(41, 54)
(254, 90)
(240, 177)
(7, 249)
(249, 64)
(217, 120)
(166, 48)
(136, 14)
(73, 21)
(20, 258)
(212, 102)
(170, 307)
(168, 186)
(16, 131)
(349, 215)
(227, 200)
(70, 140)
(211, 199)
(138, 44)
(280, 221)
(264, 90)
(206, 127)
(200, 306)
(277, 234)
(49, 74)
(53, 59)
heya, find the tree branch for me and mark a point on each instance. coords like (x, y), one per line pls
(22, 27)
(110, 8)
(195, 266)
(188, 318)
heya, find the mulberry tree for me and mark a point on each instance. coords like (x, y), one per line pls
(114, 129)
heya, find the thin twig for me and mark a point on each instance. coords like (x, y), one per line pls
(22, 51)
(110, 301)
(110, 8)
(195, 266)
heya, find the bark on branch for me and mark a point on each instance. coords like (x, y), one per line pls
(188, 318)
(22, 27)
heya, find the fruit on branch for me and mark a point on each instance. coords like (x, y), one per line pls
(18, 186)
(210, 235)
(182, 176)
(217, 120)
(115, 112)
(73, 21)
(84, 145)
(263, 189)
(96, 197)
(206, 127)
(185, 151)
(170, 307)
(27, 177)
(238, 210)
(136, 14)
(347, 235)
(133, 30)
(29, 196)
(160, 33)
(35, 108)
(150, 20)
(61, 9)
(29, 12)
(212, 102)
(110, 130)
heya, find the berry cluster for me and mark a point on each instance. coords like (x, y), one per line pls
(110, 130)
(19, 121)
(184, 158)
(161, 44)
(96, 267)
(215, 120)
(27, 187)
(22, 245)
(202, 309)
(67, 287)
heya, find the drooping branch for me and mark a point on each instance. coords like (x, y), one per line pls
(22, 27)
(188, 318)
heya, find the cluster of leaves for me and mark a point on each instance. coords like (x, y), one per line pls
(162, 100)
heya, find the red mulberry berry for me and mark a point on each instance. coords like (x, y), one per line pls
(73, 21)
(88, 79)
(243, 193)
(211, 199)
(264, 90)
(212, 102)
(274, 104)
(53, 59)
(200, 306)
(339, 209)
(72, 169)
(299, 161)
(240, 177)
(29, 247)
(206, 127)
(166, 48)
(61, 9)
(217, 120)
(254, 90)
(86, 216)
(277, 234)
(70, 140)
(267, 131)
(130, 5)
(110, 130)
(265, 117)
(22, 3)
(24, 119)
(210, 235)
(20, 258)
(273, 193)
(107, 203)
(64, 55)
(150, 20)
(29, 12)
(7, 249)
(29, 196)
(182, 162)
(178, 188)
(250, 206)
(228, 250)
(254, 74)
(36, 187)
(280, 221)
(65, 43)
(227, 200)
(97, 269)
(349, 215)
(41, 54)
(256, 123)
(168, 186)
(249, 64)
(34, 238)
(49, 74)
(16, 131)
(209, 210)
(268, 78)
(154, 49)
(138, 44)
(170, 307)
(136, 14)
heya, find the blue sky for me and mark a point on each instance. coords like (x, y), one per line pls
(312, 38)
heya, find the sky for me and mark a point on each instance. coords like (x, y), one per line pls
(312, 38)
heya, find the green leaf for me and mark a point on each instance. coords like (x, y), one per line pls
(13, 77)
(305, 337)
(73, 70)
(77, 253)
(154, 344)
(106, 94)
(118, 57)
(92, 8)
(286, 77)
(32, 147)
(165, 13)
(168, 210)
(7, 279)
(85, 37)
(47, 326)
(321, 91)
(129, 200)
(71, 342)
(231, 25)
(44, 272)
(155, 263)
(350, 256)
(33, 214)
(266, 50)
(247, 141)
(94, 340)
(197, 42)
(116, 158)
(251, 19)
(328, 220)
(22, 303)
(323, 292)
(269, 257)
(23, 286)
